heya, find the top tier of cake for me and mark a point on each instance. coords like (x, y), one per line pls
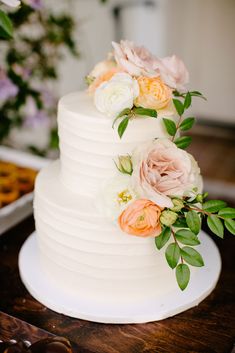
(89, 144)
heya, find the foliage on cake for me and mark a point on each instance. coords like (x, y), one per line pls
(158, 191)
(133, 82)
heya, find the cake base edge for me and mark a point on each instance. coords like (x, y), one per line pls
(58, 300)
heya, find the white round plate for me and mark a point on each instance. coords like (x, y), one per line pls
(61, 301)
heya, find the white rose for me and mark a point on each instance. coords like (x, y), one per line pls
(115, 195)
(112, 96)
(12, 3)
(161, 170)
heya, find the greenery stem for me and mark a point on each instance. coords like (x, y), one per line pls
(177, 127)
(195, 208)
(175, 240)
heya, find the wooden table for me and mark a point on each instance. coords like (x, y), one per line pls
(208, 328)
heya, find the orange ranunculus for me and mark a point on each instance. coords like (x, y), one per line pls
(106, 76)
(154, 94)
(141, 218)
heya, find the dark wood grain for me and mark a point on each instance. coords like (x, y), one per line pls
(12, 328)
(208, 328)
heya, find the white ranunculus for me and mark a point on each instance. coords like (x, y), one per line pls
(12, 3)
(112, 96)
(161, 171)
(115, 195)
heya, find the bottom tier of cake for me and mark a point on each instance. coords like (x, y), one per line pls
(91, 261)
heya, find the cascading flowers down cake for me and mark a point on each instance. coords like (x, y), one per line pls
(158, 190)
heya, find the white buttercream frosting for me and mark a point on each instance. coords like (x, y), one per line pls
(81, 250)
(88, 143)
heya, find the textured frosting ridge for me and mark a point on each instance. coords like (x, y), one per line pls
(80, 249)
(88, 143)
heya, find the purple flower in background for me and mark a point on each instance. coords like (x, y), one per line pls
(40, 118)
(34, 117)
(7, 88)
(48, 99)
(23, 72)
(35, 4)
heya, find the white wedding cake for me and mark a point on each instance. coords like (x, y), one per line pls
(122, 189)
(79, 248)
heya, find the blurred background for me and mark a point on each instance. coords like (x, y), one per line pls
(57, 42)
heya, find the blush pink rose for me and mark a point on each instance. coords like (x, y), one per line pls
(161, 170)
(173, 72)
(133, 59)
(141, 218)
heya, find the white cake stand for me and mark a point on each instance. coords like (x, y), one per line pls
(57, 299)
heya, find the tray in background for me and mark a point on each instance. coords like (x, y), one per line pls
(16, 211)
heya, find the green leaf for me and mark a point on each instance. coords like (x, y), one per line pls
(182, 275)
(183, 142)
(215, 225)
(180, 223)
(227, 212)
(170, 126)
(54, 139)
(197, 94)
(230, 225)
(6, 27)
(213, 205)
(178, 106)
(193, 221)
(163, 238)
(187, 124)
(187, 100)
(172, 254)
(122, 126)
(125, 112)
(187, 237)
(145, 111)
(192, 256)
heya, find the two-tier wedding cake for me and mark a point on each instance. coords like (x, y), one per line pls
(123, 189)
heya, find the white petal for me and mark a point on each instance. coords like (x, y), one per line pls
(12, 3)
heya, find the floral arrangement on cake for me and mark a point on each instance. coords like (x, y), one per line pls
(159, 191)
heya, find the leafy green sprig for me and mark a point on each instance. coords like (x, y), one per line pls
(181, 225)
(128, 114)
(6, 26)
(181, 104)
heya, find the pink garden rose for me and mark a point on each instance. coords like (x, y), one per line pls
(161, 170)
(133, 59)
(173, 72)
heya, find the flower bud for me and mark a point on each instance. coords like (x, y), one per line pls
(199, 198)
(124, 164)
(168, 218)
(178, 205)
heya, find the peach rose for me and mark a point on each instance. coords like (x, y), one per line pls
(106, 76)
(161, 170)
(154, 94)
(141, 218)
